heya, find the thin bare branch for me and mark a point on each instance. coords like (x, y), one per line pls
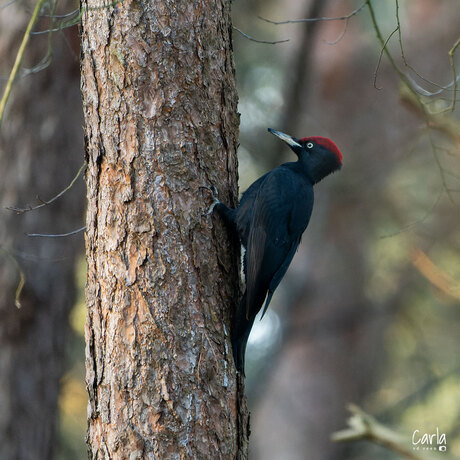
(63, 22)
(296, 21)
(448, 152)
(59, 235)
(425, 92)
(362, 426)
(380, 57)
(61, 16)
(422, 219)
(259, 41)
(416, 86)
(43, 64)
(45, 203)
(19, 56)
(439, 165)
(378, 33)
(56, 29)
(451, 174)
(22, 277)
(8, 3)
(342, 34)
(454, 72)
(403, 55)
(17, 294)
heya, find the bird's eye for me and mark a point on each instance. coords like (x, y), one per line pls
(310, 145)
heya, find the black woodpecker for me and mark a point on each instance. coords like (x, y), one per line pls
(272, 215)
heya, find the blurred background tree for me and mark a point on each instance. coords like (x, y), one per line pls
(369, 310)
(41, 151)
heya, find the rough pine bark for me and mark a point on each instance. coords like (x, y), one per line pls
(161, 120)
(41, 150)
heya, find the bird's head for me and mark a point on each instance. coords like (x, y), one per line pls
(319, 155)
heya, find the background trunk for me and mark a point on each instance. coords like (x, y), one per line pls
(40, 152)
(161, 120)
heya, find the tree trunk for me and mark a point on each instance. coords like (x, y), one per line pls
(40, 151)
(161, 120)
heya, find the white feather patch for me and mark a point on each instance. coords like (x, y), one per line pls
(242, 277)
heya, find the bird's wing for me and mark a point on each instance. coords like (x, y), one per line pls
(254, 257)
(281, 213)
(244, 214)
(278, 276)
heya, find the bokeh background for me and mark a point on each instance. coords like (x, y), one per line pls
(369, 310)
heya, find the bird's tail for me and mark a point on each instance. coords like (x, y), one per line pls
(242, 325)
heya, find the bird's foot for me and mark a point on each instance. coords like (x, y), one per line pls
(215, 194)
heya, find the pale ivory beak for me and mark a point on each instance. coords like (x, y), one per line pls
(285, 137)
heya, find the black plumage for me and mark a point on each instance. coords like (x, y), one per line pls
(272, 215)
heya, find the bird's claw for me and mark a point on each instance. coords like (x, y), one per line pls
(212, 189)
(214, 194)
